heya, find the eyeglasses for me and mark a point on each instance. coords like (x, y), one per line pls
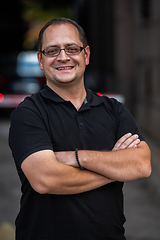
(70, 50)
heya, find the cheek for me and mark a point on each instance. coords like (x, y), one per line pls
(46, 64)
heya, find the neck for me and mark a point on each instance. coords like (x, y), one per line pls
(75, 94)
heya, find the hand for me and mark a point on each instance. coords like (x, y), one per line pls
(127, 141)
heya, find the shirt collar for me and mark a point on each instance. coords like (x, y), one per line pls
(92, 99)
(48, 93)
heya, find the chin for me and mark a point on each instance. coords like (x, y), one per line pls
(65, 80)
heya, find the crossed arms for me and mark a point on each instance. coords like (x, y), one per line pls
(59, 174)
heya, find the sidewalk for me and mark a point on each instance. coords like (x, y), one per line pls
(7, 231)
(142, 202)
(142, 197)
(154, 180)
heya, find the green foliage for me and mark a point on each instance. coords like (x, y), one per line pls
(34, 10)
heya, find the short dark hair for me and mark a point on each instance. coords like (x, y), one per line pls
(59, 21)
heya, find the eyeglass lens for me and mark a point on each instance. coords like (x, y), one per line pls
(71, 50)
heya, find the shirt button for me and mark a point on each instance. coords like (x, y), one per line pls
(81, 124)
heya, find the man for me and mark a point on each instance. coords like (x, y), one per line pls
(73, 149)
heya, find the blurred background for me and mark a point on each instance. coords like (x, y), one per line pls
(124, 37)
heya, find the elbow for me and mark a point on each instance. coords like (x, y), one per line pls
(148, 168)
(45, 186)
(142, 171)
(40, 188)
(145, 168)
(146, 172)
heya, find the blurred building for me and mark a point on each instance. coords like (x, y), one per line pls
(124, 37)
(137, 59)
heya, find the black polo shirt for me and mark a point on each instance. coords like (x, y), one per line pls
(46, 121)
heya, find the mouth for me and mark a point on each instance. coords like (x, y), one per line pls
(64, 68)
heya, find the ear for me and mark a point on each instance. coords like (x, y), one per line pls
(39, 56)
(87, 55)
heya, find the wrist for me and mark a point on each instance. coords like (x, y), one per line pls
(84, 156)
(77, 159)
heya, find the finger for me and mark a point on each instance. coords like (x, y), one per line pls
(121, 141)
(133, 140)
(134, 143)
(126, 141)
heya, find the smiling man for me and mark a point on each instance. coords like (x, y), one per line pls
(73, 149)
(65, 70)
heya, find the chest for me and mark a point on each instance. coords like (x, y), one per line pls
(92, 129)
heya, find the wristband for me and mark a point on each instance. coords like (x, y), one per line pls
(76, 153)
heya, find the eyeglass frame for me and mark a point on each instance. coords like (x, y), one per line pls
(60, 49)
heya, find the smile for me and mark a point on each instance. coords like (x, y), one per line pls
(64, 68)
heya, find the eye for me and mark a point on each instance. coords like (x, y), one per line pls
(72, 49)
(52, 51)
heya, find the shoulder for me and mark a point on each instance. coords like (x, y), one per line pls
(30, 101)
(30, 104)
(111, 103)
(27, 115)
(115, 108)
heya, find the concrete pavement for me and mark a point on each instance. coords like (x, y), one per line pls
(142, 197)
(142, 201)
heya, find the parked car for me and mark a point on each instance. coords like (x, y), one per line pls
(28, 79)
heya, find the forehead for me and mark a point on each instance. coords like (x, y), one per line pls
(62, 34)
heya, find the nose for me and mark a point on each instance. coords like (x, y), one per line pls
(63, 56)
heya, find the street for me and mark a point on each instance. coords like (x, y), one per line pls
(142, 202)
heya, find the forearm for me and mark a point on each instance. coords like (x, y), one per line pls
(129, 159)
(74, 181)
(122, 165)
(47, 175)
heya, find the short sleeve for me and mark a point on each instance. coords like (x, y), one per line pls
(28, 134)
(126, 123)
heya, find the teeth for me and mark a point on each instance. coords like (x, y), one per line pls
(63, 68)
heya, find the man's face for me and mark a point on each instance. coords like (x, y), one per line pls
(63, 69)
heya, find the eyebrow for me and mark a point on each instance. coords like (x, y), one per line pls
(66, 45)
